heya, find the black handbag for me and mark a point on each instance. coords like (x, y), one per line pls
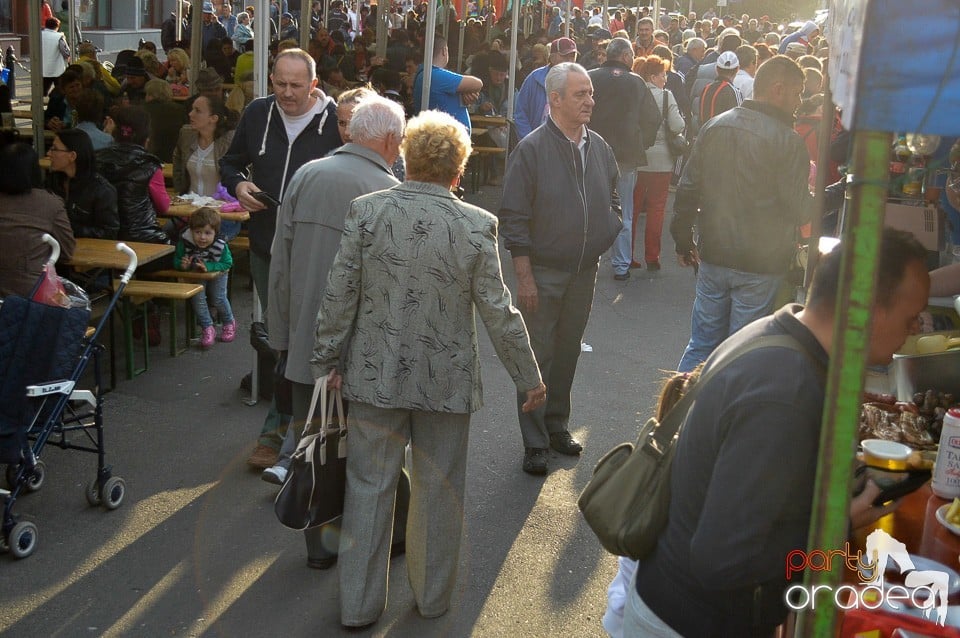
(312, 494)
(676, 142)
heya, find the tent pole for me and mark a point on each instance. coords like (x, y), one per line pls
(512, 79)
(383, 27)
(196, 43)
(428, 54)
(823, 161)
(36, 77)
(566, 26)
(841, 413)
(463, 32)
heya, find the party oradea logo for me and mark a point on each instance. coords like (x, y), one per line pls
(924, 589)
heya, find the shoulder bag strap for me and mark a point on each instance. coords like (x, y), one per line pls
(661, 437)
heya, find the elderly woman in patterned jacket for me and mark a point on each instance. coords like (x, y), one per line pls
(396, 331)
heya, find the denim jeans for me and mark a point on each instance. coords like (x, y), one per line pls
(726, 301)
(622, 252)
(216, 290)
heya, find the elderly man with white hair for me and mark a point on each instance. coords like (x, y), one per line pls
(309, 226)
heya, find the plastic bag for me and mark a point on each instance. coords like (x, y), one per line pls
(51, 291)
(59, 292)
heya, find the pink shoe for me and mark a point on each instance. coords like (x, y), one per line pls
(229, 332)
(208, 336)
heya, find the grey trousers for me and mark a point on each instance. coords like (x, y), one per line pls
(556, 330)
(377, 438)
(323, 542)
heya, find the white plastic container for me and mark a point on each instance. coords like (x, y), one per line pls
(946, 471)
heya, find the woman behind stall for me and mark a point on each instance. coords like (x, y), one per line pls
(90, 200)
(26, 213)
(196, 158)
(137, 176)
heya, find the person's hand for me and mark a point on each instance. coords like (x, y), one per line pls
(201, 265)
(527, 297)
(486, 108)
(184, 263)
(109, 125)
(470, 98)
(55, 124)
(692, 258)
(334, 380)
(862, 510)
(249, 202)
(535, 398)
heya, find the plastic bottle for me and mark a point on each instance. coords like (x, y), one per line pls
(946, 471)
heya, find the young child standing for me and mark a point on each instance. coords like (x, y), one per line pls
(200, 249)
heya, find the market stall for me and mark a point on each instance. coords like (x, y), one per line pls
(879, 93)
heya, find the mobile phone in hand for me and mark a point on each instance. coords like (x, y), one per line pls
(265, 198)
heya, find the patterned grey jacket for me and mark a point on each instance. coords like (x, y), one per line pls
(414, 262)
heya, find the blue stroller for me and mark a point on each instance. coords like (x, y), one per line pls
(44, 350)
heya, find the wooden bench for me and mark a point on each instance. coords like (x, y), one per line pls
(477, 156)
(238, 246)
(140, 291)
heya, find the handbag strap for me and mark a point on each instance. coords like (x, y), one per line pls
(659, 441)
(666, 121)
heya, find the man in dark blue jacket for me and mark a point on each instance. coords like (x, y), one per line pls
(276, 135)
(627, 117)
(560, 212)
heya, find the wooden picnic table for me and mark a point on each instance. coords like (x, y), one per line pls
(186, 209)
(103, 253)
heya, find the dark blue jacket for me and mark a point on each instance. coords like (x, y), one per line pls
(260, 142)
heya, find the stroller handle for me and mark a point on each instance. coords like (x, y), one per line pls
(47, 238)
(132, 266)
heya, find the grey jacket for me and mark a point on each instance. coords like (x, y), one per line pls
(414, 264)
(309, 226)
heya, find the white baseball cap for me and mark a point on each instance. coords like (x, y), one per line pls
(728, 60)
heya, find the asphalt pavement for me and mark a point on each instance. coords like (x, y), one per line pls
(195, 548)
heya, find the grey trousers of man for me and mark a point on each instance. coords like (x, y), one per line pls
(375, 454)
(556, 331)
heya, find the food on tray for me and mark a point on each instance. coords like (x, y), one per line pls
(953, 514)
(916, 423)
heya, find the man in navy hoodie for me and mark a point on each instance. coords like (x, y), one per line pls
(276, 135)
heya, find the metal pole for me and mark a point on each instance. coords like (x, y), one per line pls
(261, 50)
(841, 412)
(72, 26)
(326, 12)
(428, 54)
(512, 78)
(179, 21)
(196, 43)
(36, 77)
(606, 14)
(566, 26)
(463, 32)
(383, 27)
(304, 26)
(445, 26)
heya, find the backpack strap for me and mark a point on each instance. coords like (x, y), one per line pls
(660, 440)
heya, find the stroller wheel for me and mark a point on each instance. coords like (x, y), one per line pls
(23, 539)
(93, 493)
(38, 476)
(113, 492)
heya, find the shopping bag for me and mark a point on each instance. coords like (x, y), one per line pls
(50, 291)
(313, 492)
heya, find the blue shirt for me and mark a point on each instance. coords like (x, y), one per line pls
(443, 94)
(97, 137)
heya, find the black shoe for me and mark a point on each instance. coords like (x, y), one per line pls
(564, 443)
(535, 461)
(322, 563)
(623, 276)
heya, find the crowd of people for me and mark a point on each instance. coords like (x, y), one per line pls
(372, 283)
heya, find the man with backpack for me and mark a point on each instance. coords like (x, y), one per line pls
(720, 95)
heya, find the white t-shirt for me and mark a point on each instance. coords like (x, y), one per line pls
(744, 81)
(296, 123)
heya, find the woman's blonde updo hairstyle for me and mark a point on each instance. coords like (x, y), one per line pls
(436, 148)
